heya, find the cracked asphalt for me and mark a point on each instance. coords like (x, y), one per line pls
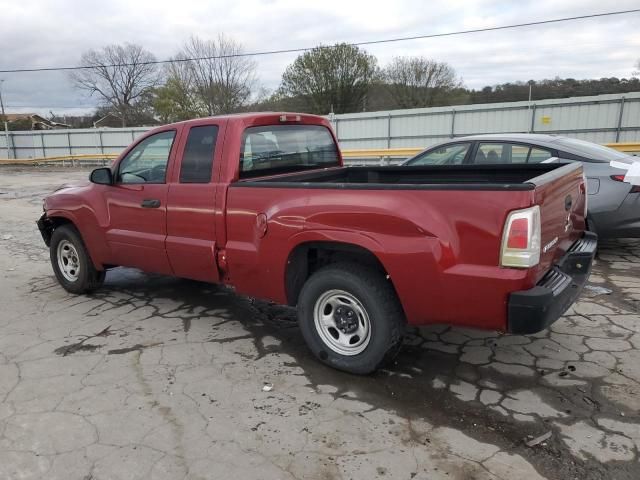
(162, 378)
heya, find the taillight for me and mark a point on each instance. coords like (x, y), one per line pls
(620, 178)
(518, 233)
(521, 239)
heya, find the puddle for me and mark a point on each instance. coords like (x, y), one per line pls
(75, 348)
(81, 346)
(135, 348)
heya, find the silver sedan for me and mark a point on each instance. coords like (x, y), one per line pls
(614, 206)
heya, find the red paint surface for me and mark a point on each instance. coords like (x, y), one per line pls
(440, 247)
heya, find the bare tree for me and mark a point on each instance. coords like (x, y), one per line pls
(417, 81)
(121, 75)
(222, 78)
(177, 99)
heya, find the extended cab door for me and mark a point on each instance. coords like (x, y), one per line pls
(137, 204)
(191, 209)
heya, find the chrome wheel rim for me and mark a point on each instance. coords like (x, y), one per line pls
(68, 260)
(342, 322)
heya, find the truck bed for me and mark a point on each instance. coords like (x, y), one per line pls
(450, 177)
(424, 223)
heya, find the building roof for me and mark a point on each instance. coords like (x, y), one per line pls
(12, 117)
(38, 122)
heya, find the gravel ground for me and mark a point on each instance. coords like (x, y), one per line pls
(156, 377)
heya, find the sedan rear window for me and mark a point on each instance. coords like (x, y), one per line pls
(592, 151)
(277, 149)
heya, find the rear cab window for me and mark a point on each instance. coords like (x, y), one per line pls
(274, 149)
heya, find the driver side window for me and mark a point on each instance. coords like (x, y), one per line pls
(147, 161)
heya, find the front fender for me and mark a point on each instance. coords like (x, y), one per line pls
(86, 223)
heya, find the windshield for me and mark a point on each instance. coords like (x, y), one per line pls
(286, 148)
(593, 151)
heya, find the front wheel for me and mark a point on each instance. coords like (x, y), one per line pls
(350, 317)
(71, 262)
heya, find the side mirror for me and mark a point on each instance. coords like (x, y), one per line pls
(101, 176)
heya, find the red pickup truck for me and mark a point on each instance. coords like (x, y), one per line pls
(262, 202)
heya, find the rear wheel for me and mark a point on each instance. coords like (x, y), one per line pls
(350, 317)
(71, 262)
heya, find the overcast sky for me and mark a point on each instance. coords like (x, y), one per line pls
(44, 33)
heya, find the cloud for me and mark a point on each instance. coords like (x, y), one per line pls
(56, 32)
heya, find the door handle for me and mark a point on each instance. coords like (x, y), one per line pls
(150, 203)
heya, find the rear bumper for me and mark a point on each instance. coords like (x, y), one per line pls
(530, 311)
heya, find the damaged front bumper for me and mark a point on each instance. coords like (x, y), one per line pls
(45, 225)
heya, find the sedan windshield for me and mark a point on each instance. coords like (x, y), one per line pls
(592, 151)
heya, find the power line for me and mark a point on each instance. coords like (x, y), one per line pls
(304, 49)
(52, 106)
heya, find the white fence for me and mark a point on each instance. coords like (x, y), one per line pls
(601, 119)
(54, 143)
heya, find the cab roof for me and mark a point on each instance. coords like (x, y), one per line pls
(250, 116)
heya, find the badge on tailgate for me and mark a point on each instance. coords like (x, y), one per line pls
(550, 245)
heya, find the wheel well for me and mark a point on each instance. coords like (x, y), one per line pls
(307, 258)
(50, 224)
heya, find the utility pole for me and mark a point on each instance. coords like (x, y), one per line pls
(1, 103)
(4, 117)
(531, 124)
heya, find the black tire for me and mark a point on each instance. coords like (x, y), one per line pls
(376, 294)
(88, 277)
(591, 225)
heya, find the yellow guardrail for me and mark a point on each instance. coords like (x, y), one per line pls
(380, 152)
(61, 159)
(628, 147)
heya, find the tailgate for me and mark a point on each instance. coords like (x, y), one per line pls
(561, 195)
